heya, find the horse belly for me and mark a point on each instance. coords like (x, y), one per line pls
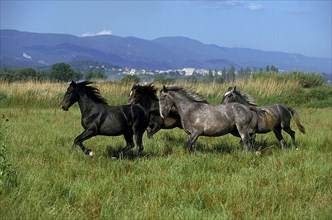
(217, 125)
(113, 126)
(217, 130)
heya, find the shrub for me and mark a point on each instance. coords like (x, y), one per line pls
(130, 79)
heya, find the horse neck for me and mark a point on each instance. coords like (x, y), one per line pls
(242, 101)
(150, 104)
(181, 102)
(85, 103)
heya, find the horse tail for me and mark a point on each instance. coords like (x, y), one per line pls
(296, 119)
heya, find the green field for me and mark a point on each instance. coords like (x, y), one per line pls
(42, 178)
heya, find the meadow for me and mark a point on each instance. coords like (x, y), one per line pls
(43, 178)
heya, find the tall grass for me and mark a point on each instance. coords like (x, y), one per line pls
(218, 181)
(265, 90)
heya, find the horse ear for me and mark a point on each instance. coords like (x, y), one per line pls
(73, 83)
(164, 89)
(234, 88)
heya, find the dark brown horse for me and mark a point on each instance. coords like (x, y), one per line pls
(145, 95)
(98, 118)
(201, 119)
(283, 114)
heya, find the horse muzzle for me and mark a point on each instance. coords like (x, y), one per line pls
(64, 108)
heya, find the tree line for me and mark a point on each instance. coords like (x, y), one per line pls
(60, 72)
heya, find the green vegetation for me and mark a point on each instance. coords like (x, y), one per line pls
(43, 178)
(59, 72)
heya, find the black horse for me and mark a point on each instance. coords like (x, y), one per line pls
(147, 98)
(201, 119)
(283, 114)
(98, 118)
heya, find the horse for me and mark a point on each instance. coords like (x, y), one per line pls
(199, 118)
(283, 114)
(99, 118)
(145, 95)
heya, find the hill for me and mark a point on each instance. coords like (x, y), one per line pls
(25, 49)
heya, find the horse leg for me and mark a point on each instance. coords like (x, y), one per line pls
(252, 137)
(153, 128)
(245, 137)
(192, 139)
(291, 133)
(139, 144)
(82, 137)
(277, 133)
(246, 142)
(129, 144)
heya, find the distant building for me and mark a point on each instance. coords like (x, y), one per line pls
(188, 71)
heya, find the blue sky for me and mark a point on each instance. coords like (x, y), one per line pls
(289, 26)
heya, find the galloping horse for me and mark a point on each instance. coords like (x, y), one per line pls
(283, 114)
(201, 119)
(98, 118)
(146, 97)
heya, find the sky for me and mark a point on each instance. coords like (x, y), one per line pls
(302, 27)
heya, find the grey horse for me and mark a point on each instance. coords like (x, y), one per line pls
(201, 119)
(283, 114)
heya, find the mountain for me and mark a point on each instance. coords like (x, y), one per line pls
(25, 49)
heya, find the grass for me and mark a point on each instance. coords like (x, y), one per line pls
(218, 181)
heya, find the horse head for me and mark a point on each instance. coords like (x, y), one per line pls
(230, 95)
(234, 95)
(70, 96)
(134, 96)
(139, 94)
(166, 102)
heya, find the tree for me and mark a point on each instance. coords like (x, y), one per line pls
(267, 68)
(247, 71)
(63, 72)
(231, 74)
(224, 73)
(210, 76)
(274, 69)
(94, 75)
(241, 72)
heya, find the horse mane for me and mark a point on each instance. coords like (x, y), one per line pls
(148, 90)
(91, 91)
(247, 98)
(194, 96)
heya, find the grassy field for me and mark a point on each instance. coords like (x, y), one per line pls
(42, 178)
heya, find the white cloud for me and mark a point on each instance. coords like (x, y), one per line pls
(103, 32)
(254, 6)
(234, 3)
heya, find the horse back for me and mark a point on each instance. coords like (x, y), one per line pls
(117, 120)
(218, 120)
(281, 112)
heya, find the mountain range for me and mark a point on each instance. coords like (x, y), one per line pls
(26, 49)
